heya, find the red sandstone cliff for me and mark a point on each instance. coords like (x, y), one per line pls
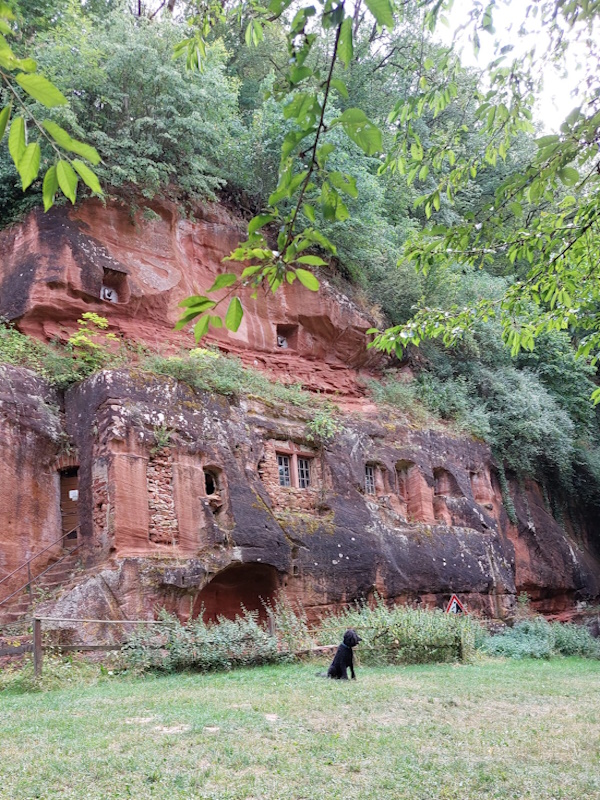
(203, 520)
(57, 265)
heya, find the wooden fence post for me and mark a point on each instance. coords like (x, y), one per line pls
(37, 647)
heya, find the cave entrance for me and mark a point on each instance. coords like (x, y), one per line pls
(115, 288)
(287, 337)
(242, 585)
(69, 504)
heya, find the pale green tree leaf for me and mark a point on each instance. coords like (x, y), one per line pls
(16, 139)
(41, 90)
(29, 164)
(49, 187)
(67, 179)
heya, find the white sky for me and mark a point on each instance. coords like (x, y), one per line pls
(555, 102)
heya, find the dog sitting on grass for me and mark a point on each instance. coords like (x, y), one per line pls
(343, 659)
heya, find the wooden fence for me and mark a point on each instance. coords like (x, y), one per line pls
(37, 646)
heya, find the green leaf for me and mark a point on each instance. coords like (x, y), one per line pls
(49, 187)
(88, 176)
(307, 279)
(345, 46)
(26, 64)
(341, 87)
(201, 328)
(62, 138)
(216, 322)
(29, 164)
(546, 140)
(16, 139)
(192, 301)
(383, 12)
(298, 74)
(85, 151)
(67, 179)
(224, 280)
(344, 183)
(568, 175)
(362, 132)
(41, 90)
(4, 117)
(312, 261)
(258, 222)
(309, 211)
(234, 315)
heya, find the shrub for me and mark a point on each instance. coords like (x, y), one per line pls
(536, 638)
(289, 625)
(208, 370)
(404, 635)
(575, 640)
(202, 646)
(527, 639)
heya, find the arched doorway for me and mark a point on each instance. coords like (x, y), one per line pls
(241, 585)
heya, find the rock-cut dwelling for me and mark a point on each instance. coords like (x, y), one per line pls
(202, 504)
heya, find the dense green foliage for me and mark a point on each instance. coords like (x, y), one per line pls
(202, 647)
(536, 638)
(190, 135)
(403, 635)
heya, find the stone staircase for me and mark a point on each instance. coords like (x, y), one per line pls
(43, 588)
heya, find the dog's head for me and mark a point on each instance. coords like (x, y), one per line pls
(351, 638)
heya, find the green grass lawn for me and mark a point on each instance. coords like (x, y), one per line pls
(499, 729)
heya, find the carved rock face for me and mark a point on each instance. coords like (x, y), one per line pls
(237, 502)
(135, 272)
(154, 534)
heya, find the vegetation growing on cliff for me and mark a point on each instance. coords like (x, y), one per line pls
(161, 129)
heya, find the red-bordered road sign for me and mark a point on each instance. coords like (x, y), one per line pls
(455, 606)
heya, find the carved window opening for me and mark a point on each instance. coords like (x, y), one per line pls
(213, 487)
(211, 482)
(295, 470)
(370, 479)
(403, 469)
(445, 484)
(69, 503)
(304, 473)
(283, 462)
(287, 337)
(115, 287)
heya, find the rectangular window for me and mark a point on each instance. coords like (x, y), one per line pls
(283, 462)
(369, 479)
(304, 473)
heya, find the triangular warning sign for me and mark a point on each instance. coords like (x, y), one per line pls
(455, 606)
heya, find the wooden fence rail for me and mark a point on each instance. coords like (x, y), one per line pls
(37, 647)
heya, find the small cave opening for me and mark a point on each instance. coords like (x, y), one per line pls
(115, 287)
(239, 587)
(287, 337)
(211, 482)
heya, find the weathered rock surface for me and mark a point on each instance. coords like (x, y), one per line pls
(179, 495)
(31, 437)
(157, 532)
(57, 265)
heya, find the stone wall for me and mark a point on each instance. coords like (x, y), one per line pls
(162, 524)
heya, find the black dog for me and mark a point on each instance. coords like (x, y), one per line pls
(343, 657)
